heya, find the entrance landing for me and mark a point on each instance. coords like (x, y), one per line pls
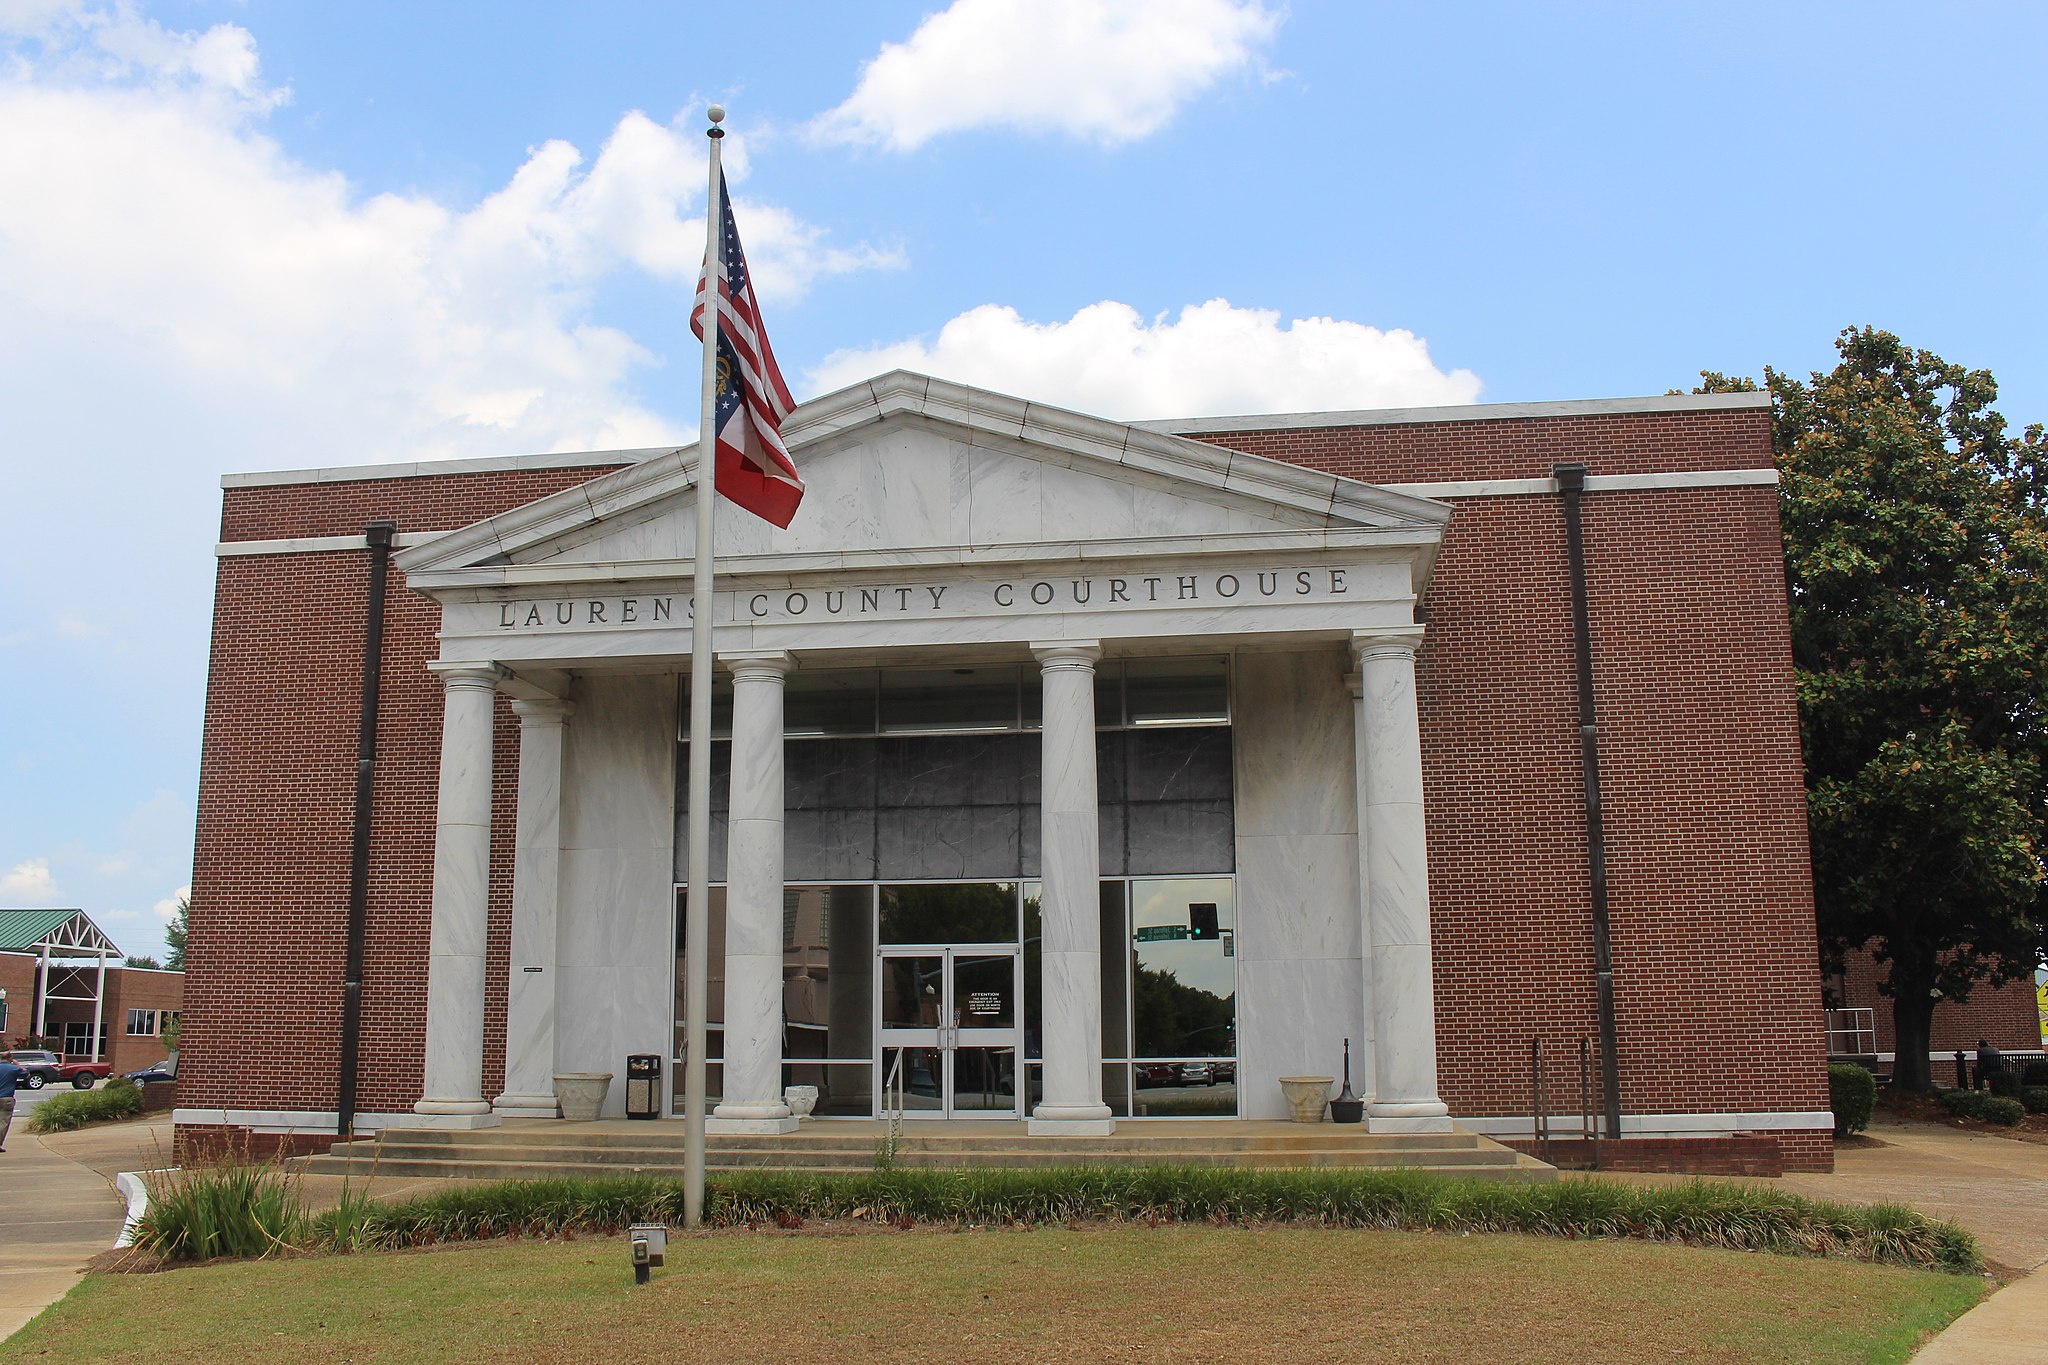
(533, 1149)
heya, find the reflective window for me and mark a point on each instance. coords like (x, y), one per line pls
(973, 912)
(1184, 996)
(828, 981)
(1162, 691)
(714, 1024)
(943, 699)
(829, 703)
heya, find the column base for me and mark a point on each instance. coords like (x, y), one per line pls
(424, 1119)
(540, 1105)
(1407, 1116)
(1070, 1120)
(715, 1124)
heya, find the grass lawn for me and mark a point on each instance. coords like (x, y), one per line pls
(1109, 1294)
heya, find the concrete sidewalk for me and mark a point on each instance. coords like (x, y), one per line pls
(55, 1215)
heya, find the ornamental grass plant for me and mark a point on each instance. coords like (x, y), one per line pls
(232, 1207)
(119, 1098)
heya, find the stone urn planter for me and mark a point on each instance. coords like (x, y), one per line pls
(1307, 1097)
(581, 1094)
(801, 1099)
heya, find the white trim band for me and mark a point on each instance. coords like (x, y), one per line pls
(1595, 483)
(301, 545)
(1563, 1127)
(320, 1121)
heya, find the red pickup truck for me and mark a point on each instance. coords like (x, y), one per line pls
(46, 1068)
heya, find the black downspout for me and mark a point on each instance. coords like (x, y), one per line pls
(378, 534)
(1571, 483)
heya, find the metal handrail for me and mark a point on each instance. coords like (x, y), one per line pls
(892, 1096)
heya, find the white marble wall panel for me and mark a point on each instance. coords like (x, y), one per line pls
(1292, 742)
(617, 948)
(909, 483)
(1290, 1016)
(1300, 917)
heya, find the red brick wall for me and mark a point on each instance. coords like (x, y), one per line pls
(1716, 966)
(18, 979)
(1711, 906)
(1521, 448)
(277, 798)
(2006, 1015)
(132, 989)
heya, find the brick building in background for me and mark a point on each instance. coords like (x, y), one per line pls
(66, 989)
(1296, 626)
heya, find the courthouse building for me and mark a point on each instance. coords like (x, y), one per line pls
(1065, 770)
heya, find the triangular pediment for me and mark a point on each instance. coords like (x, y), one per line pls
(909, 465)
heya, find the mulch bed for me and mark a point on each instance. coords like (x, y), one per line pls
(1928, 1109)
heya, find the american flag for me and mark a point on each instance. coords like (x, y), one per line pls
(753, 466)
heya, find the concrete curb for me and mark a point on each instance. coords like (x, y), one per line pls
(134, 1191)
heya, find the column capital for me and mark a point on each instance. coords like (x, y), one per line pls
(456, 673)
(1386, 644)
(764, 663)
(534, 712)
(1067, 653)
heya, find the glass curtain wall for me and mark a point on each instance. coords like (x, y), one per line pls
(903, 786)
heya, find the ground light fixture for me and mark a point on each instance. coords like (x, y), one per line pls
(649, 1245)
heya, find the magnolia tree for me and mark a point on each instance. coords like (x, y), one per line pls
(1916, 554)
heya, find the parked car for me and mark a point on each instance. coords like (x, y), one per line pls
(47, 1068)
(166, 1070)
(1197, 1073)
(42, 1067)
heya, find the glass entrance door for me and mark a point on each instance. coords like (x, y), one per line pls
(950, 1033)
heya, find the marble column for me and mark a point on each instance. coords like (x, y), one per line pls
(536, 906)
(1365, 1063)
(453, 1081)
(752, 1100)
(1070, 905)
(1397, 868)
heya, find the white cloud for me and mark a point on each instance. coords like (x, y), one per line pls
(29, 884)
(1214, 360)
(167, 908)
(1108, 71)
(150, 223)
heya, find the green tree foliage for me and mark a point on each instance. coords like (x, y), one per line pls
(143, 961)
(1916, 552)
(174, 935)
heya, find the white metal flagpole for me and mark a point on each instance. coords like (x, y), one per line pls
(697, 902)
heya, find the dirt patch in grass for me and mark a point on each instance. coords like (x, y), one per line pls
(1111, 1294)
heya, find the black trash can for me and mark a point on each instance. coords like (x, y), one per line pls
(643, 1085)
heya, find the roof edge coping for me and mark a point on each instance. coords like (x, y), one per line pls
(1464, 412)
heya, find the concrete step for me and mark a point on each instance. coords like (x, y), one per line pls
(1314, 1138)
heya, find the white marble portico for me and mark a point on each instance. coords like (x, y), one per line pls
(943, 525)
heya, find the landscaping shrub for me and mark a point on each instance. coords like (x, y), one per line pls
(1977, 1104)
(232, 1208)
(2001, 1109)
(2004, 1083)
(1852, 1094)
(1699, 1213)
(117, 1099)
(2034, 1073)
(2034, 1099)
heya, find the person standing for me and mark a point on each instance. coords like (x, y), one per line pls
(1989, 1061)
(10, 1077)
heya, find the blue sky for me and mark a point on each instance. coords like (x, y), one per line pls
(270, 235)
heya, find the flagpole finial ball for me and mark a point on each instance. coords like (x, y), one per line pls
(716, 113)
